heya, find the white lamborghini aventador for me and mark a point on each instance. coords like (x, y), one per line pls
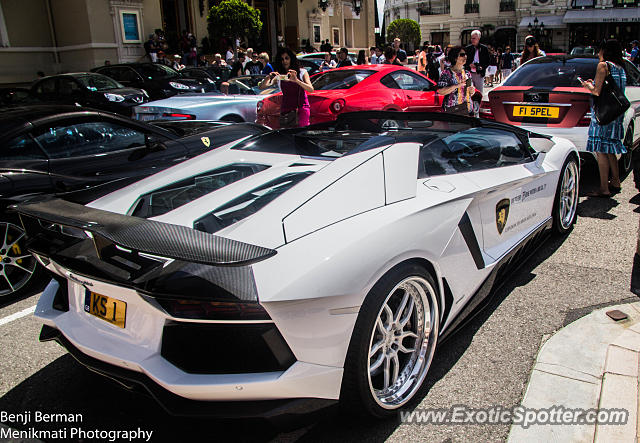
(302, 266)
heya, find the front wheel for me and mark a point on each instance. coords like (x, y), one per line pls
(566, 202)
(392, 344)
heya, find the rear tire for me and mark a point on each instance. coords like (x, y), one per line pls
(625, 164)
(566, 202)
(392, 344)
(19, 270)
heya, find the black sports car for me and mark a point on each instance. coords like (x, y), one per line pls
(158, 80)
(89, 89)
(16, 97)
(81, 154)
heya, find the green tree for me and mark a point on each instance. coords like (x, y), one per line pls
(407, 30)
(233, 19)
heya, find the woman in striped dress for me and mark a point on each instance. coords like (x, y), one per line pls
(606, 140)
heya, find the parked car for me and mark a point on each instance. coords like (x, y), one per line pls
(158, 80)
(360, 88)
(88, 89)
(321, 264)
(544, 95)
(80, 154)
(238, 106)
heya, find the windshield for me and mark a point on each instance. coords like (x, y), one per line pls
(549, 72)
(156, 72)
(339, 79)
(98, 82)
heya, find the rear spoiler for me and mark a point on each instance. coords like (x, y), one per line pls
(138, 234)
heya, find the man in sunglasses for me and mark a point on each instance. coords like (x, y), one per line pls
(478, 59)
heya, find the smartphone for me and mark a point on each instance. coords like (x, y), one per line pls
(468, 82)
(283, 77)
(580, 79)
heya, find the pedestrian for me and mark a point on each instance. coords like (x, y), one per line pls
(177, 65)
(266, 66)
(456, 84)
(373, 57)
(229, 55)
(236, 68)
(492, 68)
(498, 76)
(635, 57)
(202, 61)
(531, 49)
(362, 58)
(151, 48)
(294, 83)
(253, 66)
(422, 60)
(185, 46)
(401, 54)
(379, 55)
(432, 65)
(343, 58)
(391, 57)
(506, 63)
(328, 62)
(606, 140)
(477, 62)
(192, 58)
(444, 59)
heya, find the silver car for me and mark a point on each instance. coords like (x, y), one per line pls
(238, 106)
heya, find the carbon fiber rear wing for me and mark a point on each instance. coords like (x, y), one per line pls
(138, 234)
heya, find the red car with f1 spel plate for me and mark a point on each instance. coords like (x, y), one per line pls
(360, 88)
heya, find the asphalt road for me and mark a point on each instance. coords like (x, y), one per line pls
(485, 364)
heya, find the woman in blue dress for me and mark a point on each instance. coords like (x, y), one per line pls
(606, 140)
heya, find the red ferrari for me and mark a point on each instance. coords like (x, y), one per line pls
(360, 88)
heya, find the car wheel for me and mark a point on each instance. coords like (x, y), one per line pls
(566, 202)
(625, 163)
(392, 344)
(19, 270)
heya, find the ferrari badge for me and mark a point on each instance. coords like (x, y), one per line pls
(206, 141)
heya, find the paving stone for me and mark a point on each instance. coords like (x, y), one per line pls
(621, 361)
(618, 392)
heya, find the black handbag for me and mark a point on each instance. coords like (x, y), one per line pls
(460, 109)
(611, 103)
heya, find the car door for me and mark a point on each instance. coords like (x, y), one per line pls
(87, 152)
(419, 92)
(71, 92)
(516, 192)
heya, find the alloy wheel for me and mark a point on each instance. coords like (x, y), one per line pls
(569, 195)
(16, 264)
(402, 342)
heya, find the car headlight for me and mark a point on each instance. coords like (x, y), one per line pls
(177, 85)
(114, 97)
(145, 93)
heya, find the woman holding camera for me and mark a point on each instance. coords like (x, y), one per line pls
(294, 83)
(455, 84)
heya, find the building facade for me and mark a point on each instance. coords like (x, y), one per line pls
(559, 25)
(55, 36)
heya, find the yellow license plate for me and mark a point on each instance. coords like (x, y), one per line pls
(536, 111)
(107, 308)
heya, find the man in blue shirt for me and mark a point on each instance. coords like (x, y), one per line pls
(401, 54)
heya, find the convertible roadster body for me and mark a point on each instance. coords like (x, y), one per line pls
(298, 266)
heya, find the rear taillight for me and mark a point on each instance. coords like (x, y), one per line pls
(175, 115)
(337, 106)
(485, 111)
(585, 120)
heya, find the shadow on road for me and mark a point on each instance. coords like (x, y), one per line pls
(64, 386)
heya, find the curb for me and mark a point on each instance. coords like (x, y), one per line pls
(591, 363)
